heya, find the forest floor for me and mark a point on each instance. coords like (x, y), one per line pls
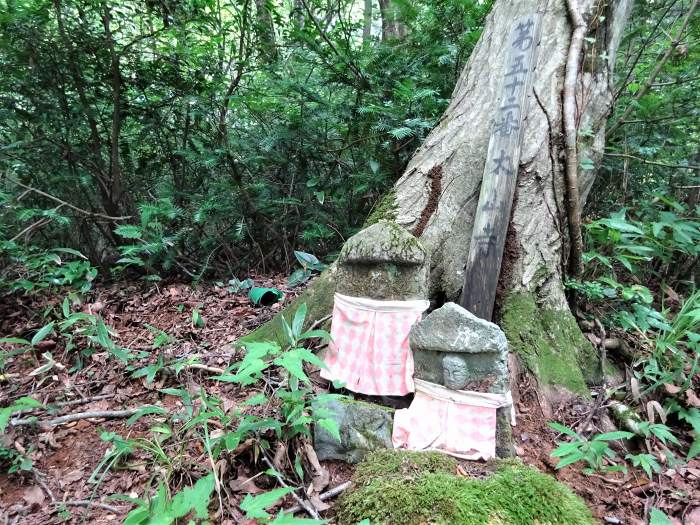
(61, 485)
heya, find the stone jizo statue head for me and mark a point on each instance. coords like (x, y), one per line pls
(455, 373)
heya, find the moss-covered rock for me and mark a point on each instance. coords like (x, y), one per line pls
(318, 298)
(550, 343)
(398, 488)
(384, 262)
(363, 427)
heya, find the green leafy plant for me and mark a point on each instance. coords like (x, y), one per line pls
(647, 462)
(255, 507)
(309, 265)
(12, 461)
(163, 509)
(23, 403)
(197, 319)
(594, 452)
(33, 269)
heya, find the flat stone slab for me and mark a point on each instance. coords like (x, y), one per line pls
(453, 329)
(364, 427)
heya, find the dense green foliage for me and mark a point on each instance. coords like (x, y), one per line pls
(202, 135)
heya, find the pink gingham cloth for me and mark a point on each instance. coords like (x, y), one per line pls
(458, 422)
(369, 349)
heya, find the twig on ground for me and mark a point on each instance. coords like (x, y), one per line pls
(61, 404)
(39, 477)
(318, 323)
(306, 505)
(109, 414)
(86, 503)
(212, 369)
(324, 496)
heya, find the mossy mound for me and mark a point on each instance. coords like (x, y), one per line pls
(550, 343)
(398, 488)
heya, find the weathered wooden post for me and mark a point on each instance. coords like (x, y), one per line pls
(500, 172)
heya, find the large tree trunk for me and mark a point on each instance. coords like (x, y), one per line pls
(531, 305)
(537, 248)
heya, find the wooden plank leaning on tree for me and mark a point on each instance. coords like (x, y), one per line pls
(500, 170)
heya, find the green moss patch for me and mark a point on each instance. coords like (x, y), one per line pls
(550, 343)
(385, 209)
(393, 488)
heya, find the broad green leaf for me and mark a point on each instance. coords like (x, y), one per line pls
(298, 321)
(254, 506)
(150, 409)
(195, 498)
(694, 449)
(611, 436)
(14, 341)
(573, 458)
(657, 517)
(562, 429)
(43, 333)
(330, 426)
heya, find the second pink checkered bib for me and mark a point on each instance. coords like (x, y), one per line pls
(369, 349)
(460, 423)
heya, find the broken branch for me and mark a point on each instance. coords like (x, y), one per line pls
(107, 414)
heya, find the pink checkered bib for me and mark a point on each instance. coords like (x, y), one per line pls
(369, 349)
(460, 423)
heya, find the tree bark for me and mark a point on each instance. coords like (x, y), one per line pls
(392, 26)
(459, 143)
(367, 23)
(266, 30)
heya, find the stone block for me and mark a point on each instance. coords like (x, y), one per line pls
(383, 262)
(364, 427)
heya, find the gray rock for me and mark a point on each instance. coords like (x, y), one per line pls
(383, 242)
(451, 328)
(364, 427)
(453, 347)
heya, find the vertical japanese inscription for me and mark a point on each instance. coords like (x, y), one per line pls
(500, 170)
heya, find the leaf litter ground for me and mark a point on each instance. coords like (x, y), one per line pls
(65, 456)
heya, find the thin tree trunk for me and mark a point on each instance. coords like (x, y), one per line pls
(392, 26)
(573, 63)
(266, 30)
(367, 28)
(115, 189)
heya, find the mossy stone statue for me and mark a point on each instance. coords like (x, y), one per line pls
(383, 262)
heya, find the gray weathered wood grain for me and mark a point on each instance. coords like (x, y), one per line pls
(501, 170)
